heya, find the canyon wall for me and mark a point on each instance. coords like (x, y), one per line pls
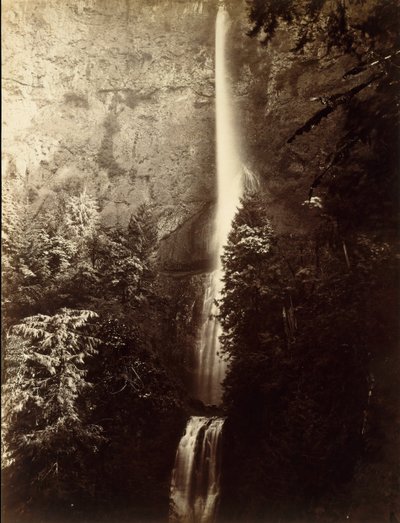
(118, 97)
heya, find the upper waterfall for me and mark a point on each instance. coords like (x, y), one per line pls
(229, 165)
(195, 484)
(210, 366)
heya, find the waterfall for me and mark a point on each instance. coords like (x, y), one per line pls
(195, 478)
(229, 166)
(211, 366)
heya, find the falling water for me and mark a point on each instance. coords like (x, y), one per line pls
(195, 485)
(211, 366)
(195, 479)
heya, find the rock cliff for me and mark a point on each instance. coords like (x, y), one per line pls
(119, 97)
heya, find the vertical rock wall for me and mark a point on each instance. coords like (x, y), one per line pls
(116, 96)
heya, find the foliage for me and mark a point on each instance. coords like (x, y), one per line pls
(249, 246)
(142, 233)
(46, 414)
(58, 406)
(310, 386)
(17, 275)
(265, 16)
(46, 253)
(300, 363)
(345, 26)
(121, 270)
(366, 32)
(140, 407)
(81, 217)
(93, 412)
(66, 257)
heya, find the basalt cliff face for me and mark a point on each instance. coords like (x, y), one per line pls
(118, 97)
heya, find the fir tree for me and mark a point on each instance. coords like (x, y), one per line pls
(46, 414)
(246, 290)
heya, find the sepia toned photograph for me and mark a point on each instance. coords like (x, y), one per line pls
(200, 261)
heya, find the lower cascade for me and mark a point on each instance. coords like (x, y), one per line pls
(195, 480)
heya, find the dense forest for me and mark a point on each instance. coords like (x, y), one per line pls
(87, 376)
(311, 320)
(95, 335)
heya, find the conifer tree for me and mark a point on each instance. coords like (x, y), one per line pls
(45, 406)
(247, 290)
(81, 217)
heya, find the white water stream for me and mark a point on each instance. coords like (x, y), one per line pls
(211, 366)
(196, 475)
(195, 486)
